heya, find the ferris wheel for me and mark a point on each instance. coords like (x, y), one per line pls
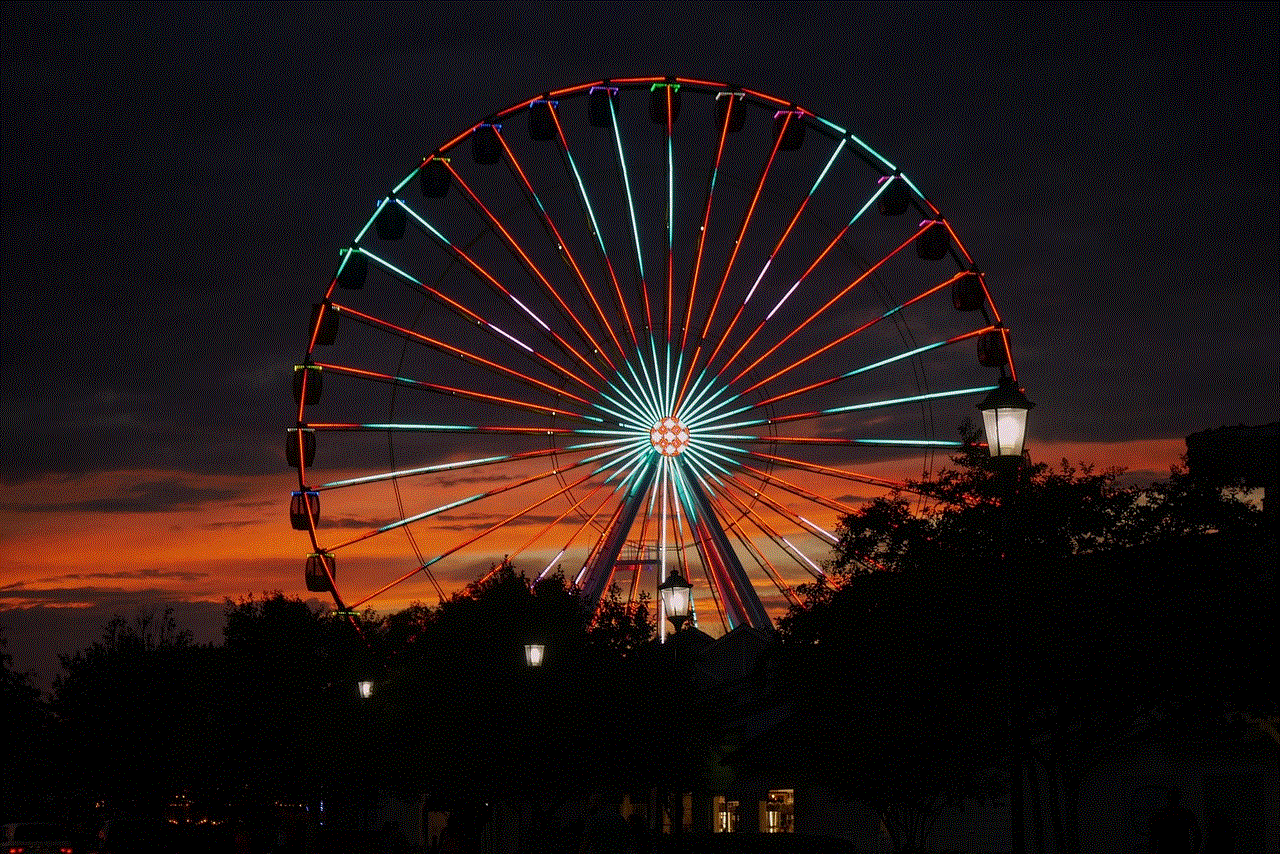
(625, 328)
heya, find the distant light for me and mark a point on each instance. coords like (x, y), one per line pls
(366, 689)
(534, 653)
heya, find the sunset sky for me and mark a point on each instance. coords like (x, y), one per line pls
(178, 180)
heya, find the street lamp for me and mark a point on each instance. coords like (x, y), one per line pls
(1004, 418)
(676, 597)
(365, 687)
(533, 654)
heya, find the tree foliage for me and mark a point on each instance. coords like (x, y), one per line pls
(1081, 609)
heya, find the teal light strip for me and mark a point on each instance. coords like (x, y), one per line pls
(626, 183)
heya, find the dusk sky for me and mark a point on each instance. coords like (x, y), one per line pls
(178, 180)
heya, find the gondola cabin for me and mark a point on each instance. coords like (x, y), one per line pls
(318, 580)
(730, 106)
(542, 122)
(789, 125)
(352, 274)
(660, 96)
(300, 445)
(486, 147)
(991, 349)
(934, 241)
(391, 219)
(307, 384)
(435, 178)
(966, 292)
(894, 199)
(304, 510)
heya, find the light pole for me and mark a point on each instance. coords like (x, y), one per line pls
(1004, 419)
(676, 598)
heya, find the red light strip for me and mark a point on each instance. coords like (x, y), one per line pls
(564, 248)
(845, 337)
(828, 470)
(535, 505)
(449, 348)
(530, 266)
(451, 391)
(797, 490)
(741, 308)
(746, 221)
(823, 383)
(769, 531)
(702, 236)
(340, 426)
(769, 569)
(829, 302)
(557, 520)
(613, 277)
(470, 500)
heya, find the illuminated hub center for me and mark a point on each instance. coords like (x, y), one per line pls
(669, 436)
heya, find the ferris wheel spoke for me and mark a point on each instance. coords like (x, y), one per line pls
(571, 166)
(837, 442)
(766, 566)
(853, 407)
(830, 345)
(566, 253)
(827, 304)
(742, 229)
(756, 493)
(485, 276)
(835, 241)
(705, 417)
(734, 99)
(471, 499)
(817, 468)
(786, 232)
(437, 468)
(589, 520)
(745, 509)
(556, 521)
(670, 90)
(796, 489)
(472, 358)
(528, 263)
(471, 540)
(454, 391)
(625, 177)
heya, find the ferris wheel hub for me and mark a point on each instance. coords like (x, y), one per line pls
(669, 436)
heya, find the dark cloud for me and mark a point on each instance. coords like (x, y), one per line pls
(1108, 213)
(153, 496)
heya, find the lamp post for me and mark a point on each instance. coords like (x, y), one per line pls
(1004, 419)
(676, 597)
(677, 601)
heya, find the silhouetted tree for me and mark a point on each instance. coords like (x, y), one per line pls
(906, 643)
(135, 713)
(288, 686)
(31, 758)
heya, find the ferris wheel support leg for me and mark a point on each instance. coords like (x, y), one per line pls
(726, 559)
(600, 564)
